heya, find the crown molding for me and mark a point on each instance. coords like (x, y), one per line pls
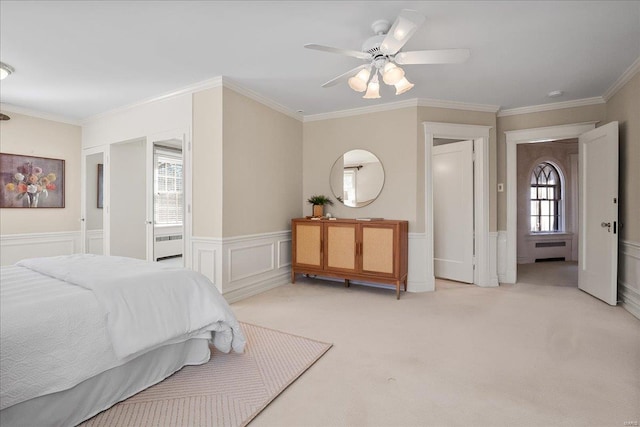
(237, 87)
(219, 81)
(362, 110)
(623, 80)
(414, 102)
(39, 114)
(453, 105)
(553, 106)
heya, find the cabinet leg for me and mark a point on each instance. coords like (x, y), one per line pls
(293, 277)
(398, 290)
(405, 284)
(346, 283)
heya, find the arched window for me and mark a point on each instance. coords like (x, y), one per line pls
(546, 196)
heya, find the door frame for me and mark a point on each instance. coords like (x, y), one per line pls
(527, 136)
(183, 135)
(104, 150)
(485, 263)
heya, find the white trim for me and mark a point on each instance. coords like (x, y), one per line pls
(198, 87)
(552, 106)
(14, 247)
(39, 114)
(527, 136)
(502, 256)
(237, 87)
(415, 102)
(484, 274)
(629, 276)
(417, 278)
(622, 80)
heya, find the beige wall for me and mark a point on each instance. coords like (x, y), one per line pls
(391, 136)
(207, 163)
(44, 138)
(536, 120)
(624, 107)
(445, 115)
(247, 166)
(262, 167)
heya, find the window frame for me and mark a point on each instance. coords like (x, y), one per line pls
(556, 202)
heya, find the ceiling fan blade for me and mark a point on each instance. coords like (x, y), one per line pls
(406, 24)
(344, 76)
(442, 56)
(354, 53)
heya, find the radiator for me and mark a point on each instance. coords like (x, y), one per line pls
(167, 246)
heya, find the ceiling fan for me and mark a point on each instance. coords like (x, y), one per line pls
(382, 55)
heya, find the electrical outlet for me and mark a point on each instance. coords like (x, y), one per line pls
(500, 188)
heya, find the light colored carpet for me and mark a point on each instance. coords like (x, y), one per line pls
(229, 390)
(516, 355)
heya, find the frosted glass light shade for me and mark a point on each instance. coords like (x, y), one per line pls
(359, 81)
(392, 74)
(403, 85)
(373, 90)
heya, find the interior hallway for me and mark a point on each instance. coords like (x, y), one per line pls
(522, 354)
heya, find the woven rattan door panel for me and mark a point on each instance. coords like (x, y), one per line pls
(340, 246)
(378, 249)
(308, 249)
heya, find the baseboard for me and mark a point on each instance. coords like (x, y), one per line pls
(15, 247)
(629, 276)
(257, 287)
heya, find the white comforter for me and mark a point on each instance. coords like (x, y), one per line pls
(90, 313)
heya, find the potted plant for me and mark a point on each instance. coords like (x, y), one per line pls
(318, 203)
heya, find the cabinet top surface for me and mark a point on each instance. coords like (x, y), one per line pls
(349, 220)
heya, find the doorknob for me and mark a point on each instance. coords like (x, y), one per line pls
(606, 225)
(149, 222)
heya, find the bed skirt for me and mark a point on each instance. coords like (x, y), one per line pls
(71, 407)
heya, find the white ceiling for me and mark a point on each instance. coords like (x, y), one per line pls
(79, 58)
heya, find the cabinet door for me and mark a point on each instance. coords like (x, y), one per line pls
(340, 247)
(308, 244)
(378, 249)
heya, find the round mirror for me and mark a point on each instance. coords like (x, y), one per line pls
(357, 178)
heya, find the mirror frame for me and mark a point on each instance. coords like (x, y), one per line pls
(339, 197)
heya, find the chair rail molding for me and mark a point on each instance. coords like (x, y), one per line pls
(242, 266)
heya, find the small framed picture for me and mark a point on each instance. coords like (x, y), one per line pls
(31, 182)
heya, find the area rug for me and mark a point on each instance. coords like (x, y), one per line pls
(229, 390)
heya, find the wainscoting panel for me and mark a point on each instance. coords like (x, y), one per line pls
(14, 247)
(250, 260)
(503, 275)
(418, 279)
(95, 242)
(629, 276)
(243, 266)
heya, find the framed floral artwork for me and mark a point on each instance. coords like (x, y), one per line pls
(31, 182)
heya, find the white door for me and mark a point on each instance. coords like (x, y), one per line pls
(453, 211)
(598, 213)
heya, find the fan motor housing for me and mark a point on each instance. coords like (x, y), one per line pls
(372, 45)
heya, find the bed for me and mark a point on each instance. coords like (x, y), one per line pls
(79, 333)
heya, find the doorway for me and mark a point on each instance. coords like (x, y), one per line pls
(484, 273)
(168, 202)
(547, 212)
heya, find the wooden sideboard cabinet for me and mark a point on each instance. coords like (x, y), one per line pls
(370, 251)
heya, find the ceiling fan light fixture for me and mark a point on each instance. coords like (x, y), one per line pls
(5, 70)
(392, 74)
(373, 89)
(403, 86)
(359, 81)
